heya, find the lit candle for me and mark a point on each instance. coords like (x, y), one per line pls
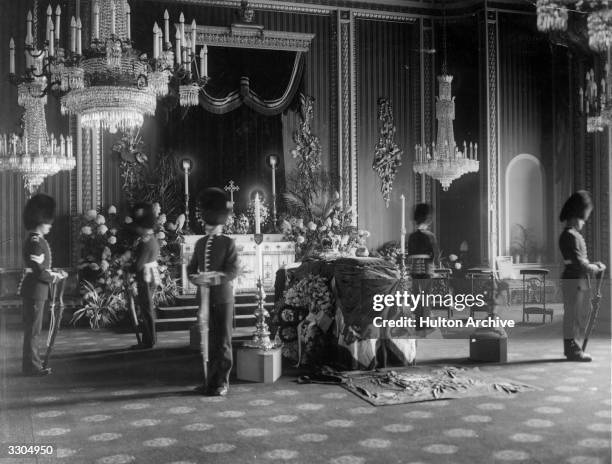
(167, 26)
(79, 48)
(128, 24)
(96, 21)
(193, 37)
(58, 15)
(257, 215)
(113, 17)
(182, 25)
(155, 41)
(73, 35)
(12, 56)
(403, 231)
(177, 51)
(29, 39)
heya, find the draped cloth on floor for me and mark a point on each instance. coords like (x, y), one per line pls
(355, 281)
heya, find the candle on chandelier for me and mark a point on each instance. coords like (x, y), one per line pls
(62, 145)
(193, 37)
(476, 151)
(186, 49)
(29, 39)
(177, 52)
(73, 35)
(204, 61)
(49, 31)
(403, 231)
(128, 24)
(12, 56)
(167, 26)
(155, 41)
(79, 47)
(182, 26)
(113, 17)
(96, 21)
(58, 15)
(39, 146)
(257, 215)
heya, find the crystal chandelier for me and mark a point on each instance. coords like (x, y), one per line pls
(596, 99)
(116, 95)
(443, 160)
(35, 155)
(553, 16)
(178, 65)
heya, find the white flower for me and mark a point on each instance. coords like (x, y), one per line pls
(312, 226)
(328, 222)
(128, 220)
(322, 229)
(100, 219)
(163, 243)
(301, 239)
(452, 258)
(91, 214)
(180, 222)
(112, 239)
(86, 230)
(457, 265)
(104, 265)
(300, 223)
(156, 208)
(335, 222)
(162, 219)
(106, 253)
(102, 229)
(161, 235)
(112, 210)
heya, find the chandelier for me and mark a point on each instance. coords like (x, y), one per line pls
(596, 99)
(443, 160)
(35, 155)
(553, 16)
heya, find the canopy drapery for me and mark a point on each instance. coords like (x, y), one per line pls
(264, 80)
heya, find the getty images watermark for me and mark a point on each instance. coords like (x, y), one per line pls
(411, 301)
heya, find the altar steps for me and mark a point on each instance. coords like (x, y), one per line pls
(183, 313)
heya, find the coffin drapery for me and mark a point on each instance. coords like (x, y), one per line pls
(264, 80)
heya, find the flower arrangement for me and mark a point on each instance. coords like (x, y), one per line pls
(390, 251)
(455, 263)
(107, 249)
(387, 154)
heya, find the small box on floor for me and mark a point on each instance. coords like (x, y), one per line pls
(488, 349)
(258, 365)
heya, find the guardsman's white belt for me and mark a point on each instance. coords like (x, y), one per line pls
(26, 271)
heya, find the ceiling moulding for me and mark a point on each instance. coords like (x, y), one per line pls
(247, 36)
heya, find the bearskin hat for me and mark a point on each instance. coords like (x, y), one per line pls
(40, 209)
(422, 212)
(214, 206)
(143, 215)
(576, 206)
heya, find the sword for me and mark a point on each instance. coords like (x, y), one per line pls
(55, 321)
(132, 311)
(594, 310)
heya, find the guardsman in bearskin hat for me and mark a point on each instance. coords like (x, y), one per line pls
(37, 278)
(575, 282)
(217, 253)
(146, 269)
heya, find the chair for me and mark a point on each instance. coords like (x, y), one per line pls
(534, 294)
(505, 271)
(482, 282)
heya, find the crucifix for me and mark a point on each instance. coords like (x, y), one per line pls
(231, 188)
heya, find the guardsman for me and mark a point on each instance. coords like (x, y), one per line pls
(216, 252)
(146, 270)
(575, 279)
(38, 276)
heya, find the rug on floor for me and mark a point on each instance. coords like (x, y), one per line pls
(416, 384)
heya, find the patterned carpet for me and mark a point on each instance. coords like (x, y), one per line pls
(107, 405)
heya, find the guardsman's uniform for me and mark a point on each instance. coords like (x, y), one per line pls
(217, 252)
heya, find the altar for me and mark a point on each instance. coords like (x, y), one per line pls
(276, 253)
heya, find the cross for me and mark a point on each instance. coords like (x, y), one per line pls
(231, 188)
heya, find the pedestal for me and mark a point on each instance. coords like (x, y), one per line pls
(485, 349)
(258, 365)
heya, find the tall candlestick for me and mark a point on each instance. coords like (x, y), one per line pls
(12, 56)
(96, 20)
(128, 23)
(51, 41)
(58, 15)
(186, 181)
(403, 231)
(257, 215)
(167, 26)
